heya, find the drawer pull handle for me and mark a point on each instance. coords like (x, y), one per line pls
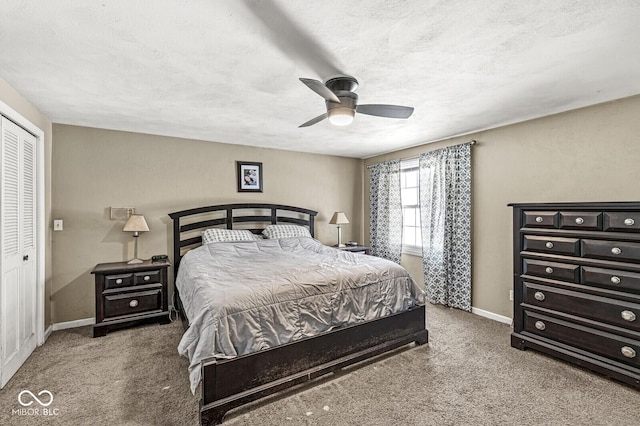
(615, 280)
(629, 222)
(549, 245)
(628, 316)
(119, 281)
(539, 219)
(628, 352)
(133, 303)
(540, 325)
(616, 250)
(579, 220)
(539, 296)
(147, 278)
(549, 270)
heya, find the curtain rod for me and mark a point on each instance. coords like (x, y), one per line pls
(471, 142)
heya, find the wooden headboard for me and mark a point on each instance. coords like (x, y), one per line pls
(189, 224)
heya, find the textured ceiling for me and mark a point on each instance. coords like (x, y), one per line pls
(227, 71)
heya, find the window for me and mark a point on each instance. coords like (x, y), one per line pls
(410, 190)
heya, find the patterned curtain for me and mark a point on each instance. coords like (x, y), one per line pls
(445, 212)
(386, 211)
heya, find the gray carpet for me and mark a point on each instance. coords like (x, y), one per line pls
(467, 374)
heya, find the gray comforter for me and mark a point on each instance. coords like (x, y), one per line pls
(246, 296)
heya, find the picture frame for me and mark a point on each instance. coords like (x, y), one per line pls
(249, 176)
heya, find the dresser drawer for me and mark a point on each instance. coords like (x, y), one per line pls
(599, 342)
(540, 219)
(622, 221)
(146, 277)
(551, 270)
(602, 309)
(116, 305)
(118, 281)
(588, 221)
(617, 250)
(622, 280)
(558, 245)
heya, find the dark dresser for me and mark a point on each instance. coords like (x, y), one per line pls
(128, 295)
(577, 284)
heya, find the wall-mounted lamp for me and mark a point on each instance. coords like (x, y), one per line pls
(339, 218)
(136, 224)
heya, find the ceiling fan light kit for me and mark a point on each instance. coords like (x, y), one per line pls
(341, 116)
(342, 102)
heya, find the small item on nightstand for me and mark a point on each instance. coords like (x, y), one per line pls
(352, 244)
(159, 258)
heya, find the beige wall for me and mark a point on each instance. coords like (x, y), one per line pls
(591, 154)
(95, 169)
(13, 99)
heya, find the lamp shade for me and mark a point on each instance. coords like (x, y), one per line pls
(339, 218)
(136, 223)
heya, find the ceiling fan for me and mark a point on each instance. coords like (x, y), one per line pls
(342, 102)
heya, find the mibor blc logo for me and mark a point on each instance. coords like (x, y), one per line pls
(44, 399)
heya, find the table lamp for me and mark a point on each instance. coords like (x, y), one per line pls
(135, 224)
(339, 218)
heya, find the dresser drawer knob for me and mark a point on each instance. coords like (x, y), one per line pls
(539, 219)
(549, 270)
(579, 220)
(628, 352)
(628, 316)
(119, 281)
(629, 222)
(616, 250)
(133, 303)
(539, 296)
(549, 245)
(146, 278)
(615, 280)
(540, 325)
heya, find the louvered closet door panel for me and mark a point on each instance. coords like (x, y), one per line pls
(18, 294)
(28, 234)
(11, 260)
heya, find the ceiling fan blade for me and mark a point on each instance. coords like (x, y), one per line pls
(314, 120)
(320, 89)
(390, 111)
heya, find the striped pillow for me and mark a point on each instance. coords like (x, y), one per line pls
(285, 231)
(217, 235)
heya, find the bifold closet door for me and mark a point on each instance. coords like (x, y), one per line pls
(18, 283)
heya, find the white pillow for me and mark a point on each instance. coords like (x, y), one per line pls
(286, 231)
(218, 235)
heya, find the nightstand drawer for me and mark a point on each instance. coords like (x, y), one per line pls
(118, 281)
(132, 303)
(146, 277)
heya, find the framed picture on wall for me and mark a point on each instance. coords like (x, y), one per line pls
(249, 176)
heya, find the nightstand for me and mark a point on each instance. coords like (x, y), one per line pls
(355, 249)
(128, 295)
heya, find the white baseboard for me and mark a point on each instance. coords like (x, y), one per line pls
(48, 332)
(491, 315)
(73, 324)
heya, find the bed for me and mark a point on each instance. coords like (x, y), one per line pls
(245, 349)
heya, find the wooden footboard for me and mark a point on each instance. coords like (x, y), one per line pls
(227, 384)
